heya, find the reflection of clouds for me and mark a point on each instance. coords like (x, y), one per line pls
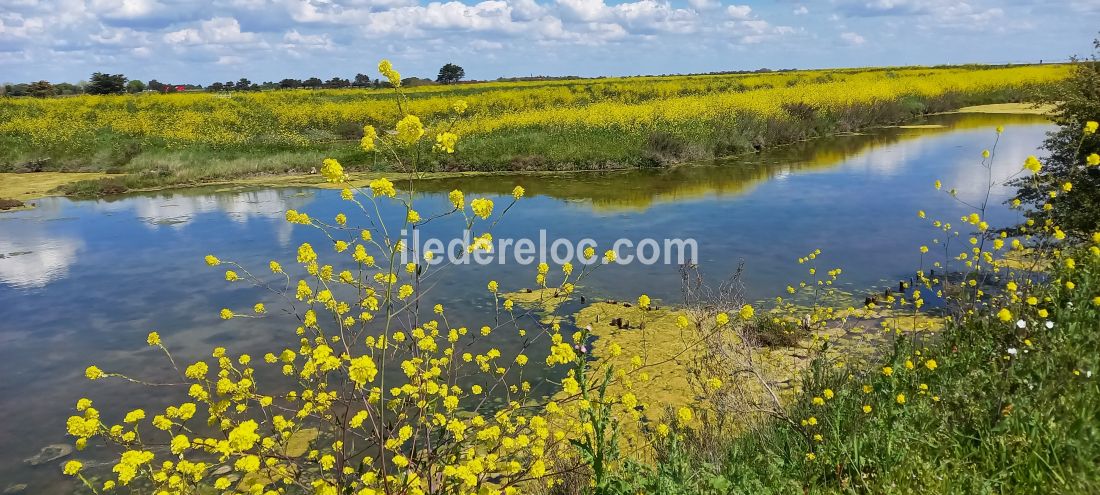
(31, 258)
(180, 209)
(891, 159)
(970, 179)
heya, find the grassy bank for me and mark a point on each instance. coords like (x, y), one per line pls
(1004, 407)
(165, 140)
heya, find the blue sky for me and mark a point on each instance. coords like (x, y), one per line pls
(201, 41)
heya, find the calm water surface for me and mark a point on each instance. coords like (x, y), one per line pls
(83, 282)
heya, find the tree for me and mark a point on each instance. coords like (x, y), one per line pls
(450, 74)
(243, 84)
(361, 81)
(135, 86)
(66, 89)
(216, 87)
(312, 82)
(107, 84)
(41, 89)
(337, 82)
(157, 86)
(290, 83)
(1076, 211)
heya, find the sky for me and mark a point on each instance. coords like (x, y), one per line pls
(202, 41)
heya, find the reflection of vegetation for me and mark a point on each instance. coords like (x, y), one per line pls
(640, 188)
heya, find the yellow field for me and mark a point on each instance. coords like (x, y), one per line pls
(303, 117)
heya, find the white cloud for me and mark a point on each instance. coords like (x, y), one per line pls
(124, 9)
(14, 25)
(486, 45)
(294, 39)
(801, 10)
(739, 11)
(215, 31)
(705, 4)
(853, 38)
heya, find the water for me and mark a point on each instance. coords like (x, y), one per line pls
(83, 282)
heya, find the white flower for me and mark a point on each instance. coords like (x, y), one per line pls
(1049, 324)
(1021, 323)
(1012, 350)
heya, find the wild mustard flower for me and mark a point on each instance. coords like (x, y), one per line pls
(482, 207)
(370, 135)
(1032, 164)
(445, 142)
(72, 468)
(332, 171)
(382, 187)
(410, 130)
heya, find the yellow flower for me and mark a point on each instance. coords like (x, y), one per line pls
(212, 260)
(1004, 314)
(445, 142)
(746, 312)
(386, 69)
(231, 276)
(1090, 127)
(887, 371)
(900, 398)
(810, 456)
(412, 216)
(1067, 187)
(94, 373)
(382, 187)
(931, 364)
(72, 468)
(362, 370)
(332, 171)
(518, 192)
(153, 338)
(818, 401)
(459, 106)
(643, 301)
(1093, 160)
(722, 319)
(134, 416)
(828, 393)
(684, 415)
(409, 130)
(369, 135)
(457, 199)
(866, 409)
(1032, 163)
(482, 207)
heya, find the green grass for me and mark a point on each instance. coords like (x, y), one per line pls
(157, 165)
(990, 422)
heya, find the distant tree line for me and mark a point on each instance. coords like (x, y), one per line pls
(101, 83)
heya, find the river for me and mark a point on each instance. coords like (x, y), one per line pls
(83, 282)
